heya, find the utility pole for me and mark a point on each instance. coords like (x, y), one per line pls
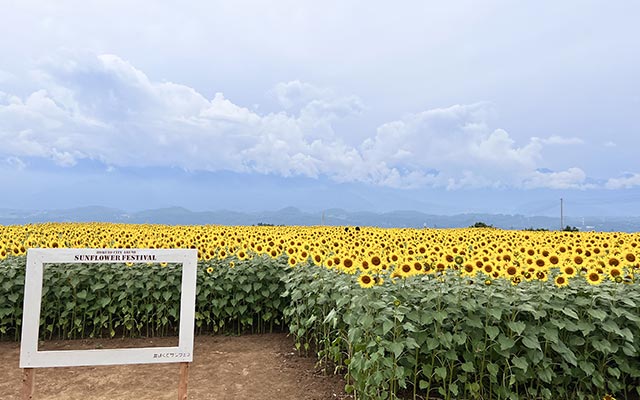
(561, 215)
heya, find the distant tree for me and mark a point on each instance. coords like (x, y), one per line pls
(481, 225)
(536, 229)
(571, 229)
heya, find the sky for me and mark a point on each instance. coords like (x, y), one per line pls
(443, 107)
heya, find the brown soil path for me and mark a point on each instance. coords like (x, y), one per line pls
(251, 367)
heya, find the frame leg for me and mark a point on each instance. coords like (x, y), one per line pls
(182, 384)
(27, 383)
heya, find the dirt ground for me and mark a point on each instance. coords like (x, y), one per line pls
(247, 367)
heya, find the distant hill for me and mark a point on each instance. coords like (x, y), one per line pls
(294, 216)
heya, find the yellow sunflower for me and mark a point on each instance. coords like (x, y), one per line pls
(366, 281)
(594, 278)
(561, 281)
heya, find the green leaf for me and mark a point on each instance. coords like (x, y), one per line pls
(517, 326)
(492, 331)
(495, 313)
(440, 316)
(441, 372)
(453, 388)
(597, 314)
(587, 367)
(586, 327)
(460, 338)
(432, 344)
(520, 362)
(610, 326)
(627, 334)
(493, 369)
(602, 345)
(396, 348)
(104, 301)
(569, 312)
(614, 372)
(531, 342)
(506, 343)
(387, 325)
(550, 334)
(468, 367)
(474, 321)
(597, 379)
(366, 321)
(546, 375)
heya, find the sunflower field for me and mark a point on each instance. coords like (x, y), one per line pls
(401, 313)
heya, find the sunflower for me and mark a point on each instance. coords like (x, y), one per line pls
(569, 271)
(630, 257)
(511, 271)
(561, 281)
(594, 278)
(615, 272)
(366, 281)
(468, 269)
(347, 263)
(542, 276)
(417, 267)
(375, 261)
(613, 261)
(317, 259)
(488, 268)
(406, 270)
(209, 270)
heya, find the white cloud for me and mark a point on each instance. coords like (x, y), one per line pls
(15, 163)
(103, 108)
(292, 93)
(457, 142)
(625, 182)
(610, 144)
(572, 178)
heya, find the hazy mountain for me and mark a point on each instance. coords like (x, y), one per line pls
(294, 216)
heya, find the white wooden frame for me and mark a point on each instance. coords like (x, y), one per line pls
(30, 357)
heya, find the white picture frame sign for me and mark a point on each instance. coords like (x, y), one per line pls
(31, 357)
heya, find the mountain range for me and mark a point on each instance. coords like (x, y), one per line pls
(295, 216)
